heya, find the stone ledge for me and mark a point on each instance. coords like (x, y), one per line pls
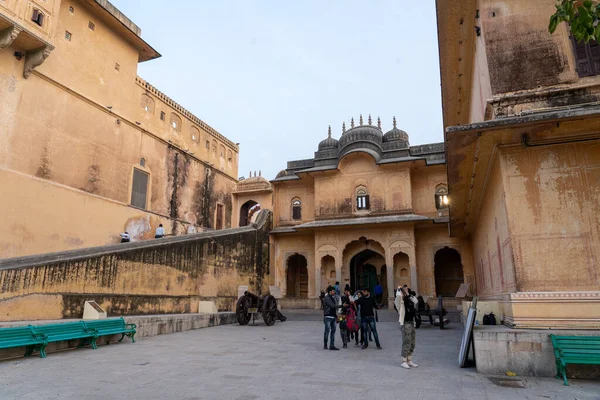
(527, 352)
(147, 325)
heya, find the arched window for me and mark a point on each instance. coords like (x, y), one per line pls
(222, 151)
(296, 210)
(441, 197)
(229, 156)
(214, 147)
(362, 198)
(195, 134)
(38, 17)
(176, 122)
(147, 103)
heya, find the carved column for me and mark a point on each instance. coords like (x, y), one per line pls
(389, 271)
(414, 283)
(35, 58)
(8, 36)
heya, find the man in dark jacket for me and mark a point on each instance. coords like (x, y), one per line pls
(367, 318)
(329, 315)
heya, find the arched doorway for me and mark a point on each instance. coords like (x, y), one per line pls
(401, 270)
(297, 277)
(448, 272)
(328, 275)
(363, 269)
(244, 212)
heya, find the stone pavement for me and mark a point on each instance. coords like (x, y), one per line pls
(285, 361)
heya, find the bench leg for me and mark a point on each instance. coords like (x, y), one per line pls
(94, 345)
(564, 374)
(122, 336)
(28, 351)
(43, 351)
(132, 337)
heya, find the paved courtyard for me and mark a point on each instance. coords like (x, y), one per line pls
(285, 361)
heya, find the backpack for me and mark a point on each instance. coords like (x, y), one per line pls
(492, 319)
(351, 322)
(486, 319)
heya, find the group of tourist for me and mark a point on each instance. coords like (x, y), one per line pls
(356, 315)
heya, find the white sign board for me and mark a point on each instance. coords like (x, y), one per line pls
(275, 291)
(241, 290)
(92, 310)
(462, 290)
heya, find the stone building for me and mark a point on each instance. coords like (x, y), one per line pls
(521, 114)
(367, 208)
(88, 149)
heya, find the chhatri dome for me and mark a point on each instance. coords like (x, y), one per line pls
(329, 143)
(396, 135)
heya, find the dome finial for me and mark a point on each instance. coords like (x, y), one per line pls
(394, 122)
(352, 123)
(379, 123)
(329, 132)
(344, 127)
(361, 120)
(370, 120)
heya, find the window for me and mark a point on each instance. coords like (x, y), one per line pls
(71, 9)
(92, 26)
(68, 35)
(139, 189)
(441, 197)
(117, 67)
(207, 145)
(362, 199)
(219, 217)
(229, 156)
(38, 17)
(175, 122)
(142, 162)
(296, 210)
(162, 115)
(222, 151)
(195, 133)
(147, 104)
(587, 57)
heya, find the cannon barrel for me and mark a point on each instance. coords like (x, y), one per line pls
(252, 296)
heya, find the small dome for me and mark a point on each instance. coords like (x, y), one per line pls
(253, 183)
(329, 143)
(281, 174)
(395, 134)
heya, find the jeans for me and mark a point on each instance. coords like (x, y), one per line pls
(370, 323)
(329, 326)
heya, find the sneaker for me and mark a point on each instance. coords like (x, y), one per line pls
(404, 365)
(364, 346)
(379, 348)
(324, 347)
(412, 364)
(345, 346)
(333, 348)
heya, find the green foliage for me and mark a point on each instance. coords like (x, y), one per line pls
(583, 18)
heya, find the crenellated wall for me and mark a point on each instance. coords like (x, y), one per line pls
(149, 277)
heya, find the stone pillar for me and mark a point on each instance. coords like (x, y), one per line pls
(414, 283)
(338, 271)
(318, 281)
(389, 265)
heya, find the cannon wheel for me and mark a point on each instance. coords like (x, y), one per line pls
(241, 311)
(269, 311)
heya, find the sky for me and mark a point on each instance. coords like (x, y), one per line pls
(272, 75)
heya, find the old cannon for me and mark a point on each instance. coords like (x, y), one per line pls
(249, 305)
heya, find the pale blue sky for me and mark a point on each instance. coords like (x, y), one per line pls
(273, 75)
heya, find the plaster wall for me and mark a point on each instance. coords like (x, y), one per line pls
(163, 276)
(481, 90)
(553, 211)
(21, 11)
(423, 183)
(521, 53)
(285, 193)
(491, 241)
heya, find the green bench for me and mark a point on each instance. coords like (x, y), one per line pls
(66, 331)
(113, 326)
(23, 336)
(574, 350)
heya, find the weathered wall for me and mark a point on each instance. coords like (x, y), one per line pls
(521, 53)
(553, 206)
(84, 120)
(481, 90)
(491, 242)
(423, 183)
(151, 277)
